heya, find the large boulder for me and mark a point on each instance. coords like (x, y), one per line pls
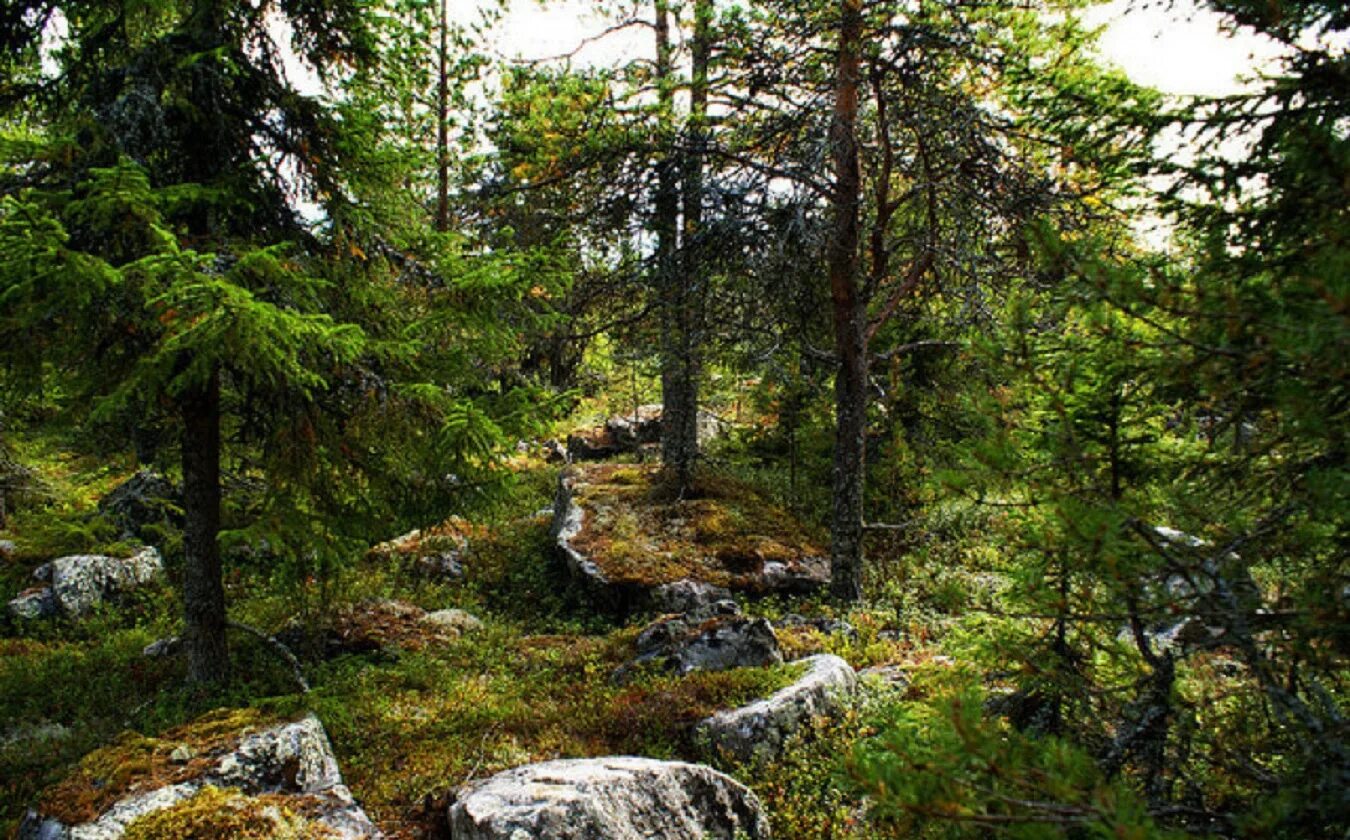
(76, 584)
(759, 730)
(289, 764)
(615, 798)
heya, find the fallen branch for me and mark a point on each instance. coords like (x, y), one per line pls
(279, 649)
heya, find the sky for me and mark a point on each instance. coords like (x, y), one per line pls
(1181, 50)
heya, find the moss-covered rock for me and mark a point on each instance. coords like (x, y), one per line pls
(620, 530)
(282, 778)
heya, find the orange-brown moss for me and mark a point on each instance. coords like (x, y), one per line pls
(372, 625)
(133, 763)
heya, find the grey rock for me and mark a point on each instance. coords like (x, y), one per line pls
(696, 642)
(143, 502)
(290, 758)
(163, 647)
(454, 622)
(182, 754)
(8, 549)
(803, 574)
(759, 730)
(632, 430)
(428, 555)
(555, 452)
(34, 604)
(80, 582)
(614, 798)
(709, 427)
(568, 518)
(687, 595)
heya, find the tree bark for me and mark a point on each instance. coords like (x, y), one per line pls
(442, 127)
(680, 384)
(203, 591)
(850, 319)
(679, 379)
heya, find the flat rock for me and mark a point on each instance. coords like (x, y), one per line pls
(76, 584)
(292, 759)
(614, 798)
(759, 730)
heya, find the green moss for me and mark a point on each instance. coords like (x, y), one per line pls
(215, 814)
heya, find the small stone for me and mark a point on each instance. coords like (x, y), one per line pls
(453, 621)
(162, 647)
(34, 604)
(182, 754)
(8, 549)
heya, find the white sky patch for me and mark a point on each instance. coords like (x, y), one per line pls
(1182, 50)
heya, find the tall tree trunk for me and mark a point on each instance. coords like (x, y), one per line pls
(442, 126)
(680, 385)
(203, 592)
(850, 319)
(675, 379)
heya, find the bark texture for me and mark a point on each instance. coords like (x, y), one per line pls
(203, 591)
(850, 319)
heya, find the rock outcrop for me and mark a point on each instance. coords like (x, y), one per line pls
(632, 547)
(75, 585)
(290, 764)
(615, 798)
(759, 730)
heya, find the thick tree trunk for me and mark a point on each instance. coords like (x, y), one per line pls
(203, 591)
(850, 316)
(679, 364)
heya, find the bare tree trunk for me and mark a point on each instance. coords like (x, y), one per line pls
(680, 384)
(442, 128)
(203, 591)
(850, 319)
(676, 382)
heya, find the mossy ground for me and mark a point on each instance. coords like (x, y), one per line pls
(411, 722)
(721, 531)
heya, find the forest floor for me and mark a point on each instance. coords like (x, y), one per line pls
(412, 718)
